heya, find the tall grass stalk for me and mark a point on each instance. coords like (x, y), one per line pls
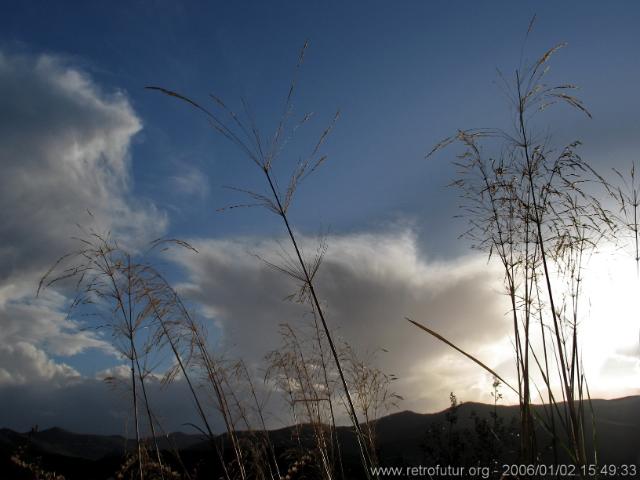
(262, 152)
(535, 209)
(107, 279)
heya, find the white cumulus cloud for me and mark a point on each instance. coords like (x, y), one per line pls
(64, 151)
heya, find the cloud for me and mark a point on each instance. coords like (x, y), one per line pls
(43, 322)
(64, 146)
(22, 362)
(191, 182)
(368, 283)
(64, 151)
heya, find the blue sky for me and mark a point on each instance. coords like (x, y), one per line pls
(403, 77)
(403, 74)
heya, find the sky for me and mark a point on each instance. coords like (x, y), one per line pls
(79, 132)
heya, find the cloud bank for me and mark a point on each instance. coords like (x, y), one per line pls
(64, 151)
(369, 283)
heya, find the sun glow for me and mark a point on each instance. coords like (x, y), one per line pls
(611, 323)
(608, 330)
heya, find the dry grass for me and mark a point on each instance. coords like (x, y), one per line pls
(534, 208)
(263, 152)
